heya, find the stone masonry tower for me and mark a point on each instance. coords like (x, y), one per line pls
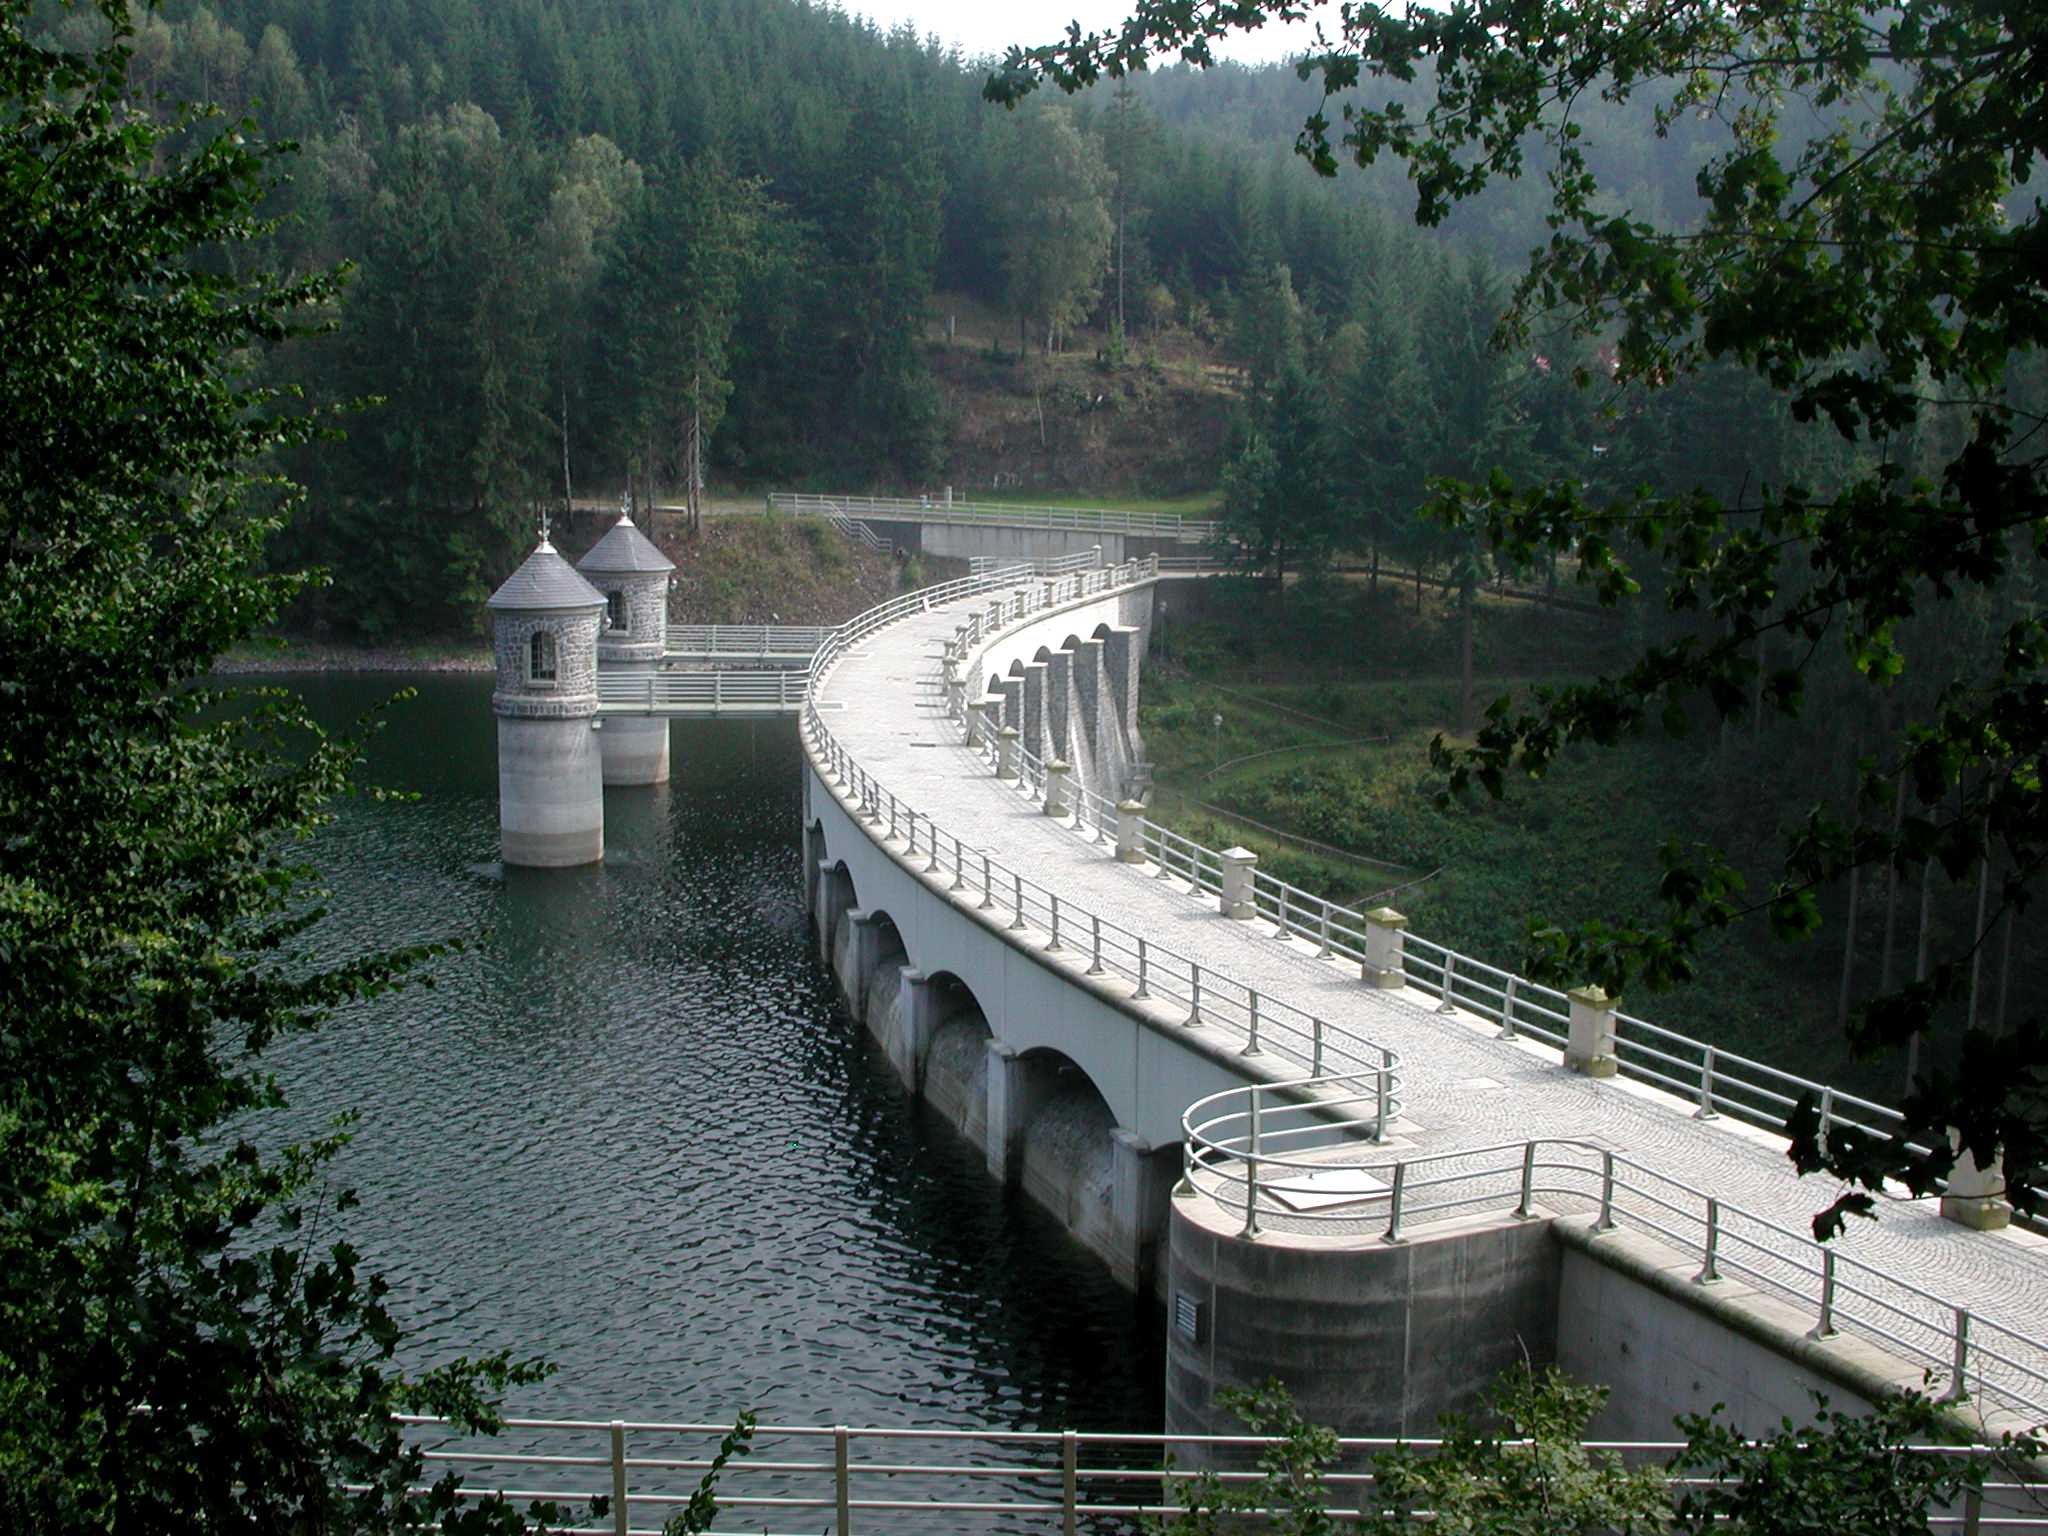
(545, 621)
(633, 576)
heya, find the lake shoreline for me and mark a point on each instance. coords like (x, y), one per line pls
(302, 658)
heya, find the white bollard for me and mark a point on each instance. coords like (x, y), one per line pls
(1056, 773)
(1236, 899)
(1975, 1196)
(1589, 1047)
(1384, 943)
(1130, 831)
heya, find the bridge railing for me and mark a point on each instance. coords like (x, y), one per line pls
(712, 693)
(845, 1479)
(747, 639)
(1273, 1153)
(1187, 530)
(1714, 1080)
(1098, 946)
(1349, 1096)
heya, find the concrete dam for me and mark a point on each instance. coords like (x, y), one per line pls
(1338, 1153)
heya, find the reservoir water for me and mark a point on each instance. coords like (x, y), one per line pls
(631, 1130)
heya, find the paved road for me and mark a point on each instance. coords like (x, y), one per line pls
(1464, 1088)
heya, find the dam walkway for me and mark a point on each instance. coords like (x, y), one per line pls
(1473, 1107)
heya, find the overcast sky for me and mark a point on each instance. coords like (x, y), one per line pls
(990, 26)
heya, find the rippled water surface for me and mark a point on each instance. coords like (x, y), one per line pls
(631, 1130)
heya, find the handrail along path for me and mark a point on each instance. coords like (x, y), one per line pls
(1458, 1085)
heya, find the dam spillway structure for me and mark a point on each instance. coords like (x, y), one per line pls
(545, 623)
(632, 575)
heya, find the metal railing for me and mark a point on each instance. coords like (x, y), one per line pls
(1714, 1080)
(1349, 1095)
(924, 509)
(747, 640)
(1082, 560)
(815, 1477)
(1193, 565)
(1282, 1155)
(780, 692)
(1094, 945)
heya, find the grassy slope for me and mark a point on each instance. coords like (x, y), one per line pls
(1579, 845)
(774, 570)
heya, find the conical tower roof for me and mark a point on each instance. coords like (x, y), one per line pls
(625, 550)
(545, 581)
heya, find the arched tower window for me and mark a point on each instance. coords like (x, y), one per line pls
(540, 658)
(616, 610)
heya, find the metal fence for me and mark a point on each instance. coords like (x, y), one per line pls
(1348, 1094)
(811, 1478)
(1094, 945)
(923, 509)
(1282, 1155)
(738, 694)
(1714, 1080)
(747, 640)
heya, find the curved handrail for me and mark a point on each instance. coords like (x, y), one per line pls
(1156, 974)
(1320, 1182)
(1840, 1289)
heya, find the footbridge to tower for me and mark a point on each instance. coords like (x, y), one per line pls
(1340, 1154)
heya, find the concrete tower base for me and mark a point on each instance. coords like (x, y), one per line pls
(550, 793)
(634, 751)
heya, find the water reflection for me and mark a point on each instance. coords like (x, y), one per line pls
(630, 1130)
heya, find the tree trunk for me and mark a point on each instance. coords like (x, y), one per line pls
(1920, 964)
(1123, 145)
(1756, 712)
(1977, 934)
(1467, 604)
(1848, 951)
(1891, 886)
(2005, 972)
(693, 462)
(568, 494)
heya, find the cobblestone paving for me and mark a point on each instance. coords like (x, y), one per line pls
(1463, 1088)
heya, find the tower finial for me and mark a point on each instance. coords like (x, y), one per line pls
(626, 502)
(546, 522)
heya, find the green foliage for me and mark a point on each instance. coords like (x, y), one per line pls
(1843, 1474)
(1528, 1471)
(701, 1512)
(1289, 1494)
(1525, 1468)
(1866, 242)
(1056, 228)
(670, 304)
(185, 1341)
(1279, 503)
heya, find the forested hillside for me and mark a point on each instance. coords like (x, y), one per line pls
(626, 238)
(724, 238)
